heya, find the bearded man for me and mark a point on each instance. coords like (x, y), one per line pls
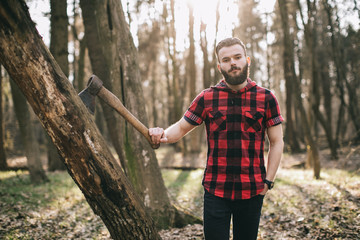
(238, 115)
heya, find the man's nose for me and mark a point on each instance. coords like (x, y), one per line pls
(232, 61)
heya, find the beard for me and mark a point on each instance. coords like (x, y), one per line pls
(237, 79)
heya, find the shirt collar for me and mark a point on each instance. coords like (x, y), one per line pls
(224, 87)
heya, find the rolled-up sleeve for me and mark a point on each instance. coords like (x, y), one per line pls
(273, 115)
(195, 114)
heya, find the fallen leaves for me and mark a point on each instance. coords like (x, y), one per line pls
(299, 207)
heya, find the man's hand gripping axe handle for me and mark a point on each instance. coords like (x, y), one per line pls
(95, 87)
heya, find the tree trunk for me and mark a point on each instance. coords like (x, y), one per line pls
(170, 97)
(310, 33)
(102, 57)
(217, 75)
(30, 143)
(174, 63)
(72, 129)
(204, 48)
(80, 46)
(80, 76)
(59, 49)
(194, 137)
(341, 72)
(290, 76)
(114, 59)
(176, 100)
(3, 163)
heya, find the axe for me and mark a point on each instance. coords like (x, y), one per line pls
(95, 88)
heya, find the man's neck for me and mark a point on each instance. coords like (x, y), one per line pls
(237, 87)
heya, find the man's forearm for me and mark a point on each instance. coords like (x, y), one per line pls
(274, 157)
(178, 130)
(173, 133)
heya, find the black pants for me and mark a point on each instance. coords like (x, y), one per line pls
(218, 212)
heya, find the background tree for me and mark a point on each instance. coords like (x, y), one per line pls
(150, 41)
(206, 62)
(59, 49)
(343, 83)
(291, 136)
(3, 163)
(311, 41)
(80, 62)
(194, 138)
(30, 143)
(216, 74)
(290, 76)
(251, 30)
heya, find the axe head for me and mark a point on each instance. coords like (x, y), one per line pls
(89, 93)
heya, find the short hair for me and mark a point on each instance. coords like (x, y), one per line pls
(228, 42)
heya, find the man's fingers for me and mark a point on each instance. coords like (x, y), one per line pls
(156, 134)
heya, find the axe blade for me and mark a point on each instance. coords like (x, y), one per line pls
(89, 93)
(88, 99)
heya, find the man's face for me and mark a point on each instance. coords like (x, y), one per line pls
(233, 64)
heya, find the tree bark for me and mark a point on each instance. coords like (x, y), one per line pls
(194, 136)
(311, 38)
(174, 84)
(217, 75)
(59, 49)
(290, 76)
(72, 129)
(341, 73)
(80, 46)
(114, 59)
(102, 58)
(204, 48)
(30, 143)
(3, 163)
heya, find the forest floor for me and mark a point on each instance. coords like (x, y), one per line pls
(299, 207)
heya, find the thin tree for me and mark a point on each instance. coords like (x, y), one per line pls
(3, 163)
(172, 69)
(292, 132)
(150, 40)
(195, 136)
(80, 47)
(59, 49)
(311, 40)
(216, 74)
(206, 62)
(70, 126)
(30, 143)
(343, 82)
(290, 76)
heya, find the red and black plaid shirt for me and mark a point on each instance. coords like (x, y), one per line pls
(235, 125)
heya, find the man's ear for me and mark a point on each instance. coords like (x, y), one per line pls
(248, 60)
(218, 67)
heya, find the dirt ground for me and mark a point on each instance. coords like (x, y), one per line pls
(299, 207)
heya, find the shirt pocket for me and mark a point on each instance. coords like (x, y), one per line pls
(253, 121)
(217, 121)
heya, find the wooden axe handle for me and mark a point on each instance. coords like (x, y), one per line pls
(115, 103)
